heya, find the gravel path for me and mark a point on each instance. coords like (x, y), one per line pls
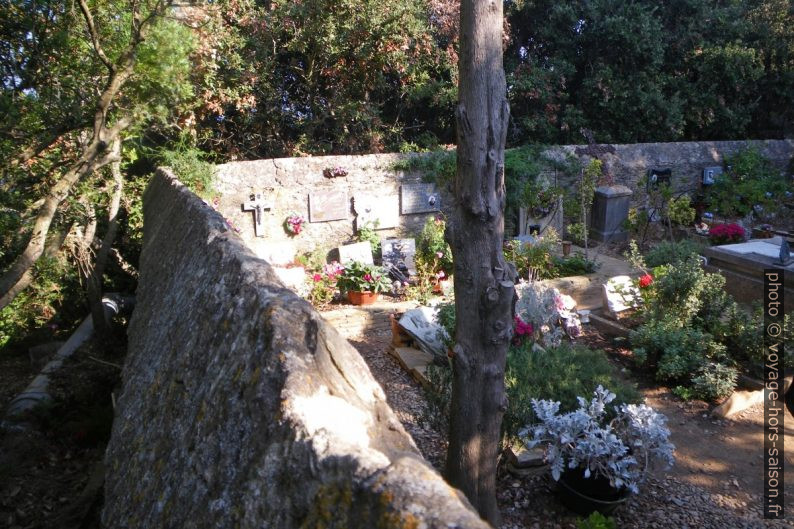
(529, 502)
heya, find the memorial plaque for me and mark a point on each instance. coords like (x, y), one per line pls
(400, 253)
(328, 205)
(360, 252)
(377, 212)
(419, 198)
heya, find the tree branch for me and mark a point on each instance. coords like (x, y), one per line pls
(92, 32)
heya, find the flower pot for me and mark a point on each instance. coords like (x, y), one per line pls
(566, 248)
(586, 495)
(362, 298)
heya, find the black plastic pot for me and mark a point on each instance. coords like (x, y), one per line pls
(586, 495)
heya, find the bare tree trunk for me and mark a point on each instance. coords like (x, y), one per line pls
(94, 282)
(484, 282)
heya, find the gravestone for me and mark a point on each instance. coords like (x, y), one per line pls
(743, 266)
(422, 325)
(258, 205)
(610, 211)
(377, 212)
(328, 205)
(400, 253)
(533, 225)
(419, 198)
(620, 295)
(360, 252)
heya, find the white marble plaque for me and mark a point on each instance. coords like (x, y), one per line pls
(377, 212)
(419, 198)
(328, 205)
(360, 252)
(757, 247)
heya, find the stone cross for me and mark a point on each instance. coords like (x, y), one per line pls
(258, 205)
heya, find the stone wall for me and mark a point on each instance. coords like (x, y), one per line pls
(241, 407)
(294, 178)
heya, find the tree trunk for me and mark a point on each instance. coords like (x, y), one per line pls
(94, 156)
(94, 281)
(51, 249)
(484, 282)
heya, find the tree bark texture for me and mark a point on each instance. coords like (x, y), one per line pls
(484, 281)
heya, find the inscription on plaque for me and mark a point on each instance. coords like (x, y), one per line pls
(328, 205)
(376, 212)
(419, 198)
(400, 253)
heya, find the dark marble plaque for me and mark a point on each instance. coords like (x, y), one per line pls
(328, 205)
(419, 198)
(400, 253)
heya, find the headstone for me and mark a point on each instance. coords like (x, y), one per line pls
(360, 252)
(610, 211)
(328, 205)
(620, 295)
(378, 212)
(400, 253)
(258, 205)
(421, 325)
(419, 198)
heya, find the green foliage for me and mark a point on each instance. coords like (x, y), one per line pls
(368, 234)
(596, 520)
(574, 265)
(714, 381)
(361, 277)
(446, 318)
(750, 180)
(669, 252)
(560, 374)
(680, 211)
(539, 258)
(438, 397)
(190, 166)
(431, 243)
(436, 167)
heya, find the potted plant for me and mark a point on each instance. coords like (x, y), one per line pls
(598, 457)
(362, 282)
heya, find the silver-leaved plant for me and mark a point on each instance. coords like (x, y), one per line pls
(621, 449)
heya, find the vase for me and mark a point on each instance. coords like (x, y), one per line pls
(587, 495)
(362, 298)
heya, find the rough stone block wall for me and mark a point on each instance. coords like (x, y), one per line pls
(241, 407)
(294, 178)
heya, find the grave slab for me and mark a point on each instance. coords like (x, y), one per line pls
(360, 252)
(421, 325)
(400, 253)
(419, 198)
(328, 205)
(376, 211)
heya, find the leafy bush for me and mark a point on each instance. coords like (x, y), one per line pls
(561, 374)
(360, 277)
(596, 520)
(714, 381)
(668, 252)
(368, 234)
(743, 336)
(431, 247)
(574, 265)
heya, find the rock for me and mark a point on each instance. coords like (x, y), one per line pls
(241, 407)
(737, 402)
(619, 295)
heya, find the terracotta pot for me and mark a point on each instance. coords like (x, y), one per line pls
(566, 248)
(362, 298)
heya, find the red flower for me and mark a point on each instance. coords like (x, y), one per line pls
(646, 280)
(317, 278)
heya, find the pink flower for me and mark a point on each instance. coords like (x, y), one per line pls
(522, 328)
(440, 274)
(439, 254)
(367, 277)
(317, 277)
(646, 280)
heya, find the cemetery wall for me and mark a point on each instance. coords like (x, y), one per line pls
(294, 179)
(241, 407)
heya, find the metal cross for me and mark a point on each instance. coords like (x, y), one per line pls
(258, 205)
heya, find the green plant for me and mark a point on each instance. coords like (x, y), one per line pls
(560, 374)
(574, 265)
(433, 248)
(680, 210)
(596, 520)
(424, 281)
(438, 397)
(446, 318)
(714, 381)
(361, 277)
(669, 252)
(536, 257)
(367, 233)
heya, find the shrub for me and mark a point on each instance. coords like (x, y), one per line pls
(561, 374)
(726, 234)
(667, 252)
(714, 381)
(431, 247)
(368, 234)
(596, 520)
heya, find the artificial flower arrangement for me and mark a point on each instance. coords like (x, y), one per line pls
(293, 224)
(619, 449)
(334, 172)
(550, 313)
